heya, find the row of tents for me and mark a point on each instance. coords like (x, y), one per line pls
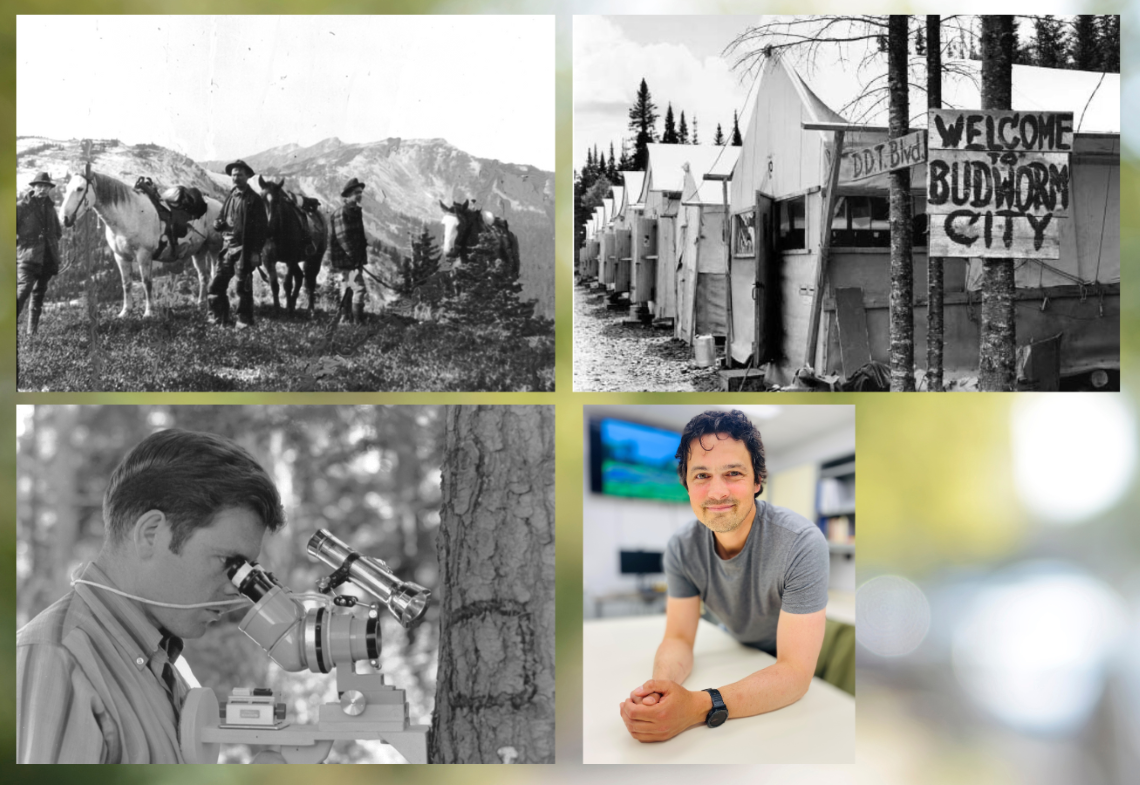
(732, 241)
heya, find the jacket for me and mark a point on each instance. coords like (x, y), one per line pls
(243, 221)
(37, 233)
(347, 247)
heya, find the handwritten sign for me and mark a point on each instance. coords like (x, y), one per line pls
(998, 183)
(886, 156)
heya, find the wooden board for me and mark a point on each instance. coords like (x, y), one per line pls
(854, 348)
(861, 163)
(1000, 130)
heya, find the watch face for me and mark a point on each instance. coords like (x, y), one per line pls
(717, 718)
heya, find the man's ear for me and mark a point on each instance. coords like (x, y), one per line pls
(150, 531)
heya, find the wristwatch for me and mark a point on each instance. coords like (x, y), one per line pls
(719, 712)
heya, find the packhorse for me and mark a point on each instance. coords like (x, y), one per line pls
(136, 233)
(296, 238)
(463, 226)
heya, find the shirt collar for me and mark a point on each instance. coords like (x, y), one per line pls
(126, 622)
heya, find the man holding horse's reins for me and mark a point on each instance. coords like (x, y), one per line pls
(244, 227)
(347, 249)
(37, 246)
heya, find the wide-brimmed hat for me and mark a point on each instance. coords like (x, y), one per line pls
(248, 169)
(43, 178)
(351, 186)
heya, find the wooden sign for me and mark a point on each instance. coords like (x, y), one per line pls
(886, 156)
(998, 183)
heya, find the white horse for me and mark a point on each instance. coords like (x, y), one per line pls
(134, 231)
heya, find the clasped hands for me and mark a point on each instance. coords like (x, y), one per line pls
(660, 709)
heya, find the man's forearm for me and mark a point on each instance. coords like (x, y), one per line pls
(774, 687)
(674, 660)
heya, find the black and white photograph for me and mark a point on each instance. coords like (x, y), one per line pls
(719, 584)
(279, 204)
(846, 203)
(285, 584)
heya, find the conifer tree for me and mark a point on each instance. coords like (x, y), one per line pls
(1084, 44)
(670, 136)
(1050, 33)
(612, 171)
(683, 131)
(487, 290)
(736, 140)
(642, 121)
(696, 139)
(718, 140)
(1109, 28)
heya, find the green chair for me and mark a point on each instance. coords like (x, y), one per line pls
(836, 663)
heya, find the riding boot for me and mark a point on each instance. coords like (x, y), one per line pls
(346, 305)
(358, 309)
(35, 318)
(245, 303)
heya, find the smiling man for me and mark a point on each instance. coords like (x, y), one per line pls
(95, 675)
(761, 570)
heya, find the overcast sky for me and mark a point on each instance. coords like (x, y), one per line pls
(680, 59)
(222, 87)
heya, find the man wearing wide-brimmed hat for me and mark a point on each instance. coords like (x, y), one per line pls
(244, 227)
(37, 246)
(347, 249)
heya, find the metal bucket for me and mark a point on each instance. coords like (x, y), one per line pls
(704, 349)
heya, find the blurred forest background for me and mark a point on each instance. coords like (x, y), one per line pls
(369, 474)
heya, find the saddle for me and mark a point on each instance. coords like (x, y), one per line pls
(177, 207)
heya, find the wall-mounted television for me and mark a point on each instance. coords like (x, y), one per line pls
(636, 461)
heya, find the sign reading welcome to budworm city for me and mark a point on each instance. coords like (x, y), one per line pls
(998, 182)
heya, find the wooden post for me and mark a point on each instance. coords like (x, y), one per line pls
(726, 236)
(824, 249)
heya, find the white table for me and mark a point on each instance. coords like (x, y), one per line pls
(841, 606)
(617, 655)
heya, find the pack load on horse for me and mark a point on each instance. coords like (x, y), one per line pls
(135, 230)
(463, 226)
(296, 239)
(177, 207)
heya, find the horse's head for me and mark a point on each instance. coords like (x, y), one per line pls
(79, 197)
(272, 193)
(458, 224)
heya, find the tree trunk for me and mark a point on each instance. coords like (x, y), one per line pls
(902, 264)
(934, 287)
(998, 350)
(495, 689)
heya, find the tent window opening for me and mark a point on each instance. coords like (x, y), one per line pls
(793, 224)
(865, 222)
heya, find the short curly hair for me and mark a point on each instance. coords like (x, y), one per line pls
(734, 424)
(191, 477)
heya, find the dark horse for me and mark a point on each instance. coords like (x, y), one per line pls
(296, 238)
(463, 227)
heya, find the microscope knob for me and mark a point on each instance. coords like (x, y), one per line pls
(352, 702)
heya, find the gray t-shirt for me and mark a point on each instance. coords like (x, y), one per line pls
(784, 565)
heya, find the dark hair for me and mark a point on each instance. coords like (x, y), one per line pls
(734, 424)
(190, 477)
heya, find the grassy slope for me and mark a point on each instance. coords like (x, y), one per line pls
(176, 350)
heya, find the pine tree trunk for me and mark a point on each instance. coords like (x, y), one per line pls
(934, 286)
(495, 689)
(902, 264)
(998, 350)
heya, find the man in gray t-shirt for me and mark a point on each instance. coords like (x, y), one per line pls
(763, 572)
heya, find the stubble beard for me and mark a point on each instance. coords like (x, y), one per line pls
(724, 522)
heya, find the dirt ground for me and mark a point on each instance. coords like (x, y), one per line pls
(610, 356)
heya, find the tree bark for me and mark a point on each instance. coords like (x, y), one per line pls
(495, 688)
(998, 350)
(902, 262)
(934, 285)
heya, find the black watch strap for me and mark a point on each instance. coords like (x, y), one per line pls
(719, 712)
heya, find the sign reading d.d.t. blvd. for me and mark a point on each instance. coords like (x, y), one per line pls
(998, 182)
(859, 164)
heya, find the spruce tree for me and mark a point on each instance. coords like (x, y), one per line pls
(718, 140)
(683, 131)
(642, 121)
(487, 290)
(1050, 34)
(1084, 44)
(696, 139)
(612, 171)
(1109, 27)
(670, 135)
(736, 140)
(421, 267)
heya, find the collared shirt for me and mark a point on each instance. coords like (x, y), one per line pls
(96, 682)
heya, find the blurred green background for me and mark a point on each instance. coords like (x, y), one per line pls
(1007, 635)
